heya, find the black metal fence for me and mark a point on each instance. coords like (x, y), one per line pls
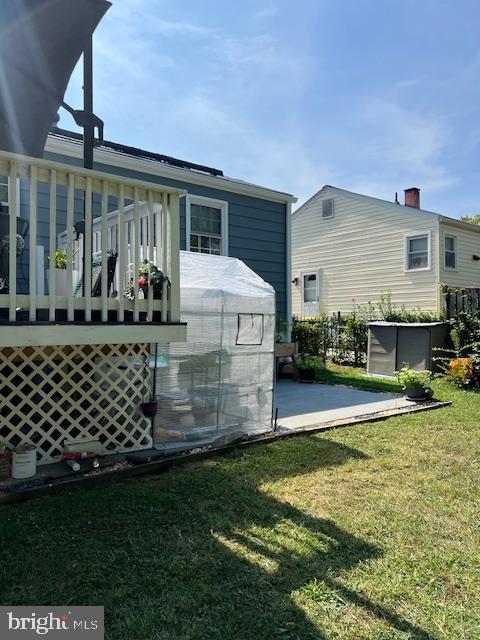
(461, 300)
(342, 339)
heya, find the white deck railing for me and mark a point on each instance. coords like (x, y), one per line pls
(125, 235)
(144, 225)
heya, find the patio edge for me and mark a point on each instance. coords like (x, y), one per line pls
(166, 463)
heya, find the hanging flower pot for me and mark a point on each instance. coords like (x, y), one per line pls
(150, 408)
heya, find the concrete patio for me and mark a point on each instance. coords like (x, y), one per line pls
(305, 405)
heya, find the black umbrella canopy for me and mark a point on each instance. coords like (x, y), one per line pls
(41, 41)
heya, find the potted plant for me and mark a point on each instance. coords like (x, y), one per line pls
(149, 275)
(414, 383)
(307, 367)
(60, 259)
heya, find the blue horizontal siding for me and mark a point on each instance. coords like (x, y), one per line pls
(257, 227)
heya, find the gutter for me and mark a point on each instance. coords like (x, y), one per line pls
(467, 226)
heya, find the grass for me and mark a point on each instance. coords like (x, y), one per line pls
(355, 377)
(371, 532)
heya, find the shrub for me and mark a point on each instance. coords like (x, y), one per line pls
(388, 311)
(310, 335)
(458, 362)
(410, 378)
(307, 362)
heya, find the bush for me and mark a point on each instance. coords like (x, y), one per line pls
(310, 335)
(461, 359)
(355, 337)
(410, 378)
(344, 339)
(307, 362)
(388, 311)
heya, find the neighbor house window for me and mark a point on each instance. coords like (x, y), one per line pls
(450, 252)
(207, 226)
(417, 252)
(327, 208)
(310, 287)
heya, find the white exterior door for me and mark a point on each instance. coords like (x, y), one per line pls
(310, 294)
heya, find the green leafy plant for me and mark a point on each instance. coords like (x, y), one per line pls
(354, 338)
(310, 335)
(309, 362)
(60, 259)
(149, 275)
(281, 330)
(388, 311)
(459, 363)
(409, 378)
(475, 219)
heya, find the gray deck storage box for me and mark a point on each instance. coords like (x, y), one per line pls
(393, 345)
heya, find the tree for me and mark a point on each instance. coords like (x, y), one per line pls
(471, 219)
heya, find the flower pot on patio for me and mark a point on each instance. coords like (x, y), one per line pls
(306, 374)
(414, 383)
(415, 393)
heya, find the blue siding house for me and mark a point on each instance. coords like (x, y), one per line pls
(219, 215)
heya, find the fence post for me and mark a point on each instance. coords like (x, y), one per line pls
(339, 319)
(325, 329)
(355, 346)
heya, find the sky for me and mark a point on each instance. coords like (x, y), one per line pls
(372, 96)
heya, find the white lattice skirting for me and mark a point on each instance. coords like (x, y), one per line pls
(49, 394)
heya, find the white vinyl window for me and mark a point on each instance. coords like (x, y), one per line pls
(417, 252)
(327, 208)
(207, 226)
(450, 252)
(310, 287)
(4, 192)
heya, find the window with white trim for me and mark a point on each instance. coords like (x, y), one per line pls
(417, 252)
(207, 226)
(450, 252)
(310, 287)
(4, 192)
(327, 208)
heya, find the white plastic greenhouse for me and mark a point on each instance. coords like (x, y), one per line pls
(219, 384)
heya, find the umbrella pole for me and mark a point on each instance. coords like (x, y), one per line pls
(88, 129)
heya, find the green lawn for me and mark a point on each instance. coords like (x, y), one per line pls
(364, 532)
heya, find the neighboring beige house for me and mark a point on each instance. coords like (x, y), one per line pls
(348, 248)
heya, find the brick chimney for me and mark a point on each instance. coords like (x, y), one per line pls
(412, 197)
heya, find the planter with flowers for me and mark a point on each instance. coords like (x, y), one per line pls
(149, 275)
(60, 260)
(415, 383)
(307, 367)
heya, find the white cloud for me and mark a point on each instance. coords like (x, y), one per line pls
(268, 11)
(238, 99)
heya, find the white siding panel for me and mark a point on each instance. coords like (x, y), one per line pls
(467, 273)
(360, 253)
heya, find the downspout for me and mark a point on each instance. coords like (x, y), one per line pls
(288, 269)
(437, 269)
